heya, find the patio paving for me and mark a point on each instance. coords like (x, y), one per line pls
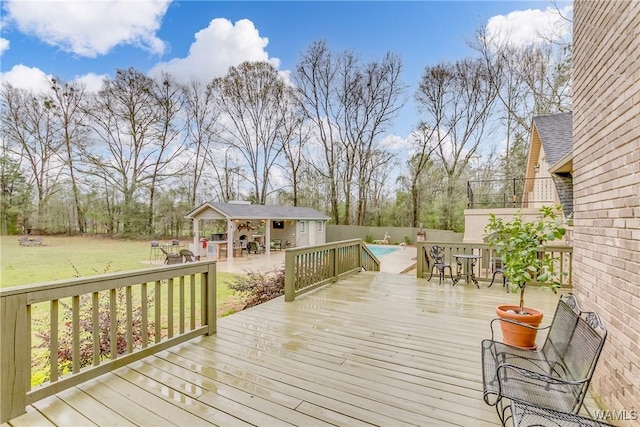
(397, 262)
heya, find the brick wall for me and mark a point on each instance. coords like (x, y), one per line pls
(606, 127)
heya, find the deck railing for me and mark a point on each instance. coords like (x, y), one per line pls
(562, 254)
(309, 267)
(510, 193)
(101, 323)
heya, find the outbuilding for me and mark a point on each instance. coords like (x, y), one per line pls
(225, 229)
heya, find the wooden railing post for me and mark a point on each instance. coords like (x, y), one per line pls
(15, 356)
(212, 315)
(336, 264)
(420, 260)
(289, 279)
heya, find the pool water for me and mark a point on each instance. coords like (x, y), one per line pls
(379, 251)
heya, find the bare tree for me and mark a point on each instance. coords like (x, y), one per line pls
(375, 166)
(252, 97)
(379, 97)
(66, 102)
(224, 162)
(424, 146)
(313, 187)
(456, 101)
(168, 101)
(315, 78)
(530, 80)
(294, 134)
(352, 104)
(379, 190)
(202, 129)
(29, 127)
(123, 119)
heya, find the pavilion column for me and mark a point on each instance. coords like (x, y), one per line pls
(230, 231)
(196, 235)
(267, 237)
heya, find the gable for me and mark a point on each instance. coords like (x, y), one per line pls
(555, 133)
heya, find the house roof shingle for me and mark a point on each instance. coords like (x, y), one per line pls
(556, 135)
(249, 211)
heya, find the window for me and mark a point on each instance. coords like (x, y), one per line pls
(320, 225)
(302, 223)
(278, 224)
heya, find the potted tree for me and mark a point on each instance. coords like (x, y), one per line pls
(519, 242)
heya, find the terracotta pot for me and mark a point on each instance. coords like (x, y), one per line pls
(516, 335)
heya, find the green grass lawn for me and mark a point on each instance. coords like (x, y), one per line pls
(69, 257)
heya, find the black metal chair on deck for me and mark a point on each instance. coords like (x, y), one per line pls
(496, 267)
(437, 255)
(555, 377)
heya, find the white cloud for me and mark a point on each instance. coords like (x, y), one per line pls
(91, 28)
(23, 77)
(92, 82)
(395, 142)
(4, 45)
(525, 27)
(36, 80)
(216, 48)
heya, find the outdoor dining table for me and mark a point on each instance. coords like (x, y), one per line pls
(466, 265)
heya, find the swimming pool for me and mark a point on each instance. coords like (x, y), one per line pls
(379, 251)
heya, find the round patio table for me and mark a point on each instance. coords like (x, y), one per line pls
(466, 266)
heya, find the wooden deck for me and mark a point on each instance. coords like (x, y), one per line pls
(375, 348)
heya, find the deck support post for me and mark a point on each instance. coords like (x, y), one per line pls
(289, 276)
(15, 357)
(421, 260)
(212, 315)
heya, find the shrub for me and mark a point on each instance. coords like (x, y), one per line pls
(258, 287)
(41, 363)
(65, 335)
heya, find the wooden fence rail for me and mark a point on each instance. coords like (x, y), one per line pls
(309, 267)
(562, 254)
(100, 323)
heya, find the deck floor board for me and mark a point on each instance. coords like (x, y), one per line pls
(372, 349)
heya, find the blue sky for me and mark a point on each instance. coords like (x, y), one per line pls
(87, 40)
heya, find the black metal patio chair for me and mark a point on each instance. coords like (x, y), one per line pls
(555, 377)
(497, 268)
(521, 414)
(437, 256)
